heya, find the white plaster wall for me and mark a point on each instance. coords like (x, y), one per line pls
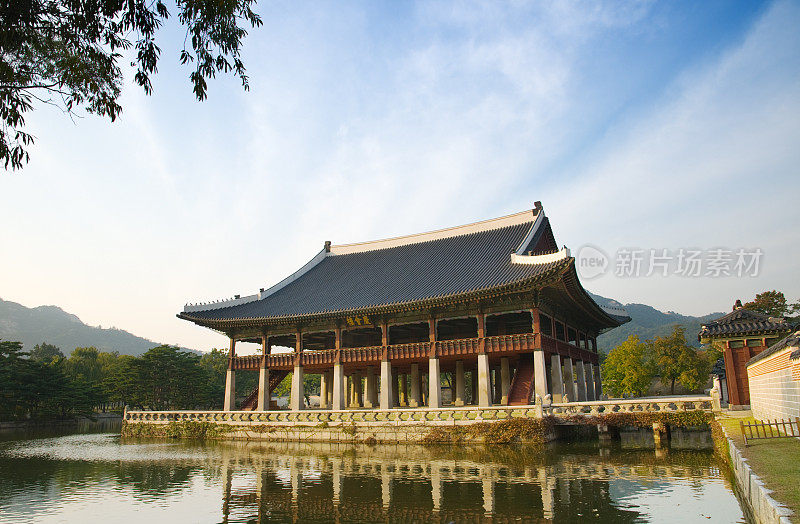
(775, 395)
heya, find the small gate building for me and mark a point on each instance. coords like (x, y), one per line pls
(495, 301)
(741, 335)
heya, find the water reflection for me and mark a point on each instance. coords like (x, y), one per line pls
(100, 478)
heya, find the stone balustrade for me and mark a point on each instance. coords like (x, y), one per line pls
(635, 405)
(447, 415)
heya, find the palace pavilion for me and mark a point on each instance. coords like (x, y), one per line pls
(494, 305)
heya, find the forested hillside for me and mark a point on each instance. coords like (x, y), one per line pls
(55, 326)
(647, 322)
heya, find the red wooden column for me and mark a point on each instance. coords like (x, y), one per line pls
(536, 320)
(734, 395)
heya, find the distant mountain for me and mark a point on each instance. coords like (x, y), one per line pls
(55, 326)
(648, 322)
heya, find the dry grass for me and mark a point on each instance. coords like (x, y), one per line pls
(776, 461)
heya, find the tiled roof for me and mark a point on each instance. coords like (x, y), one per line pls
(407, 270)
(742, 322)
(789, 341)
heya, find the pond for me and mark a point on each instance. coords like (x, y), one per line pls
(98, 477)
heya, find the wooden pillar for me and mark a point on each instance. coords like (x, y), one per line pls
(229, 404)
(735, 396)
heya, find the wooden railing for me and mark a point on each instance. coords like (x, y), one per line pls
(770, 429)
(499, 345)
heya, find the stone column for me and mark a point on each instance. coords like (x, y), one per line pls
(263, 376)
(539, 374)
(263, 388)
(590, 395)
(323, 390)
(569, 381)
(484, 386)
(556, 379)
(414, 401)
(598, 383)
(330, 388)
(230, 391)
(580, 379)
(297, 395)
(338, 387)
(474, 383)
(459, 379)
(434, 384)
(404, 389)
(505, 380)
(229, 404)
(395, 391)
(357, 392)
(497, 392)
(386, 384)
(371, 398)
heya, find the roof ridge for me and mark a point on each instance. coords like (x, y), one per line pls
(529, 215)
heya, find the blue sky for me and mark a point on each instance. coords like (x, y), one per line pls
(637, 124)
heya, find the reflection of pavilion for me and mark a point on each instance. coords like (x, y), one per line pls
(395, 486)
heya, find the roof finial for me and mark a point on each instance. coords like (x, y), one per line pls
(737, 305)
(537, 205)
(327, 246)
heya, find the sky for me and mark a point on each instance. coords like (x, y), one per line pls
(639, 126)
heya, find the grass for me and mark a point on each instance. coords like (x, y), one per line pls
(776, 461)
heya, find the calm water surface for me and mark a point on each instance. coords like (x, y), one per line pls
(98, 477)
